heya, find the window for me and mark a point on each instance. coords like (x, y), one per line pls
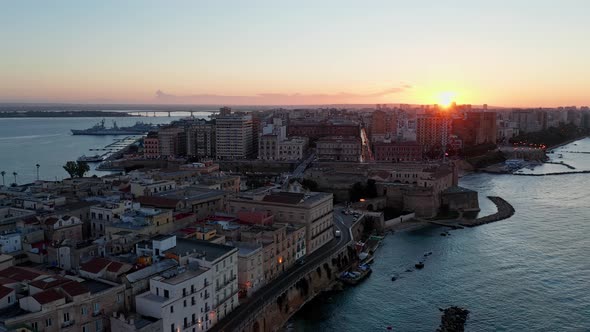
(48, 322)
(96, 307)
(66, 317)
(85, 328)
(172, 328)
(98, 325)
(185, 322)
(84, 311)
(35, 326)
(184, 292)
(166, 294)
(171, 309)
(184, 302)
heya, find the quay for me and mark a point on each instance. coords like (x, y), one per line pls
(552, 173)
(560, 163)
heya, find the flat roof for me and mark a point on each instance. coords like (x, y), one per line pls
(151, 270)
(211, 251)
(95, 286)
(192, 193)
(183, 276)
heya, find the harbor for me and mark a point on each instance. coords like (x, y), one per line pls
(115, 150)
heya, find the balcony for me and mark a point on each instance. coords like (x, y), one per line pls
(227, 282)
(68, 323)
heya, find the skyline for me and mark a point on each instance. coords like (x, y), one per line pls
(528, 54)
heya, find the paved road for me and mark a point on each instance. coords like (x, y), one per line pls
(301, 168)
(276, 286)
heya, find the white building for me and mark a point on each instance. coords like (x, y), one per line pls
(250, 267)
(10, 243)
(180, 298)
(204, 262)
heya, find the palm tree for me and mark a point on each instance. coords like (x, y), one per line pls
(38, 171)
(3, 173)
(15, 174)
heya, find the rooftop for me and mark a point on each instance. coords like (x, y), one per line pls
(173, 277)
(210, 251)
(151, 270)
(95, 286)
(48, 296)
(192, 193)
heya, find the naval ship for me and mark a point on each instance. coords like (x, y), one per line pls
(138, 128)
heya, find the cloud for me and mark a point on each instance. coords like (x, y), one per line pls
(280, 98)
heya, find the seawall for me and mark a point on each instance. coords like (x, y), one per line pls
(505, 211)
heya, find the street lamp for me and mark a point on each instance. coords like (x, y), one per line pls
(38, 171)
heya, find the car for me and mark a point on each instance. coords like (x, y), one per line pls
(337, 233)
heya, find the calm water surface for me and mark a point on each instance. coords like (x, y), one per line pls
(49, 143)
(527, 273)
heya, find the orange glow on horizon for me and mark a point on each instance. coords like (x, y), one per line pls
(445, 99)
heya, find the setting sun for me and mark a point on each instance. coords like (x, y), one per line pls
(445, 99)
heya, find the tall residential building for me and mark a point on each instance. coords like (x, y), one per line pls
(200, 139)
(233, 136)
(172, 141)
(151, 145)
(383, 123)
(433, 132)
(476, 128)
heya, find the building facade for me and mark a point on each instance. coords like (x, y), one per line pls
(234, 136)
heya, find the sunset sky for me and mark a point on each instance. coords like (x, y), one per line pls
(504, 53)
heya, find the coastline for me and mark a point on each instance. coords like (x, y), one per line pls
(567, 142)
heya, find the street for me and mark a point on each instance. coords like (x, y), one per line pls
(276, 286)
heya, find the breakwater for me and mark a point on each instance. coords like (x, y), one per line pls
(560, 163)
(552, 173)
(505, 211)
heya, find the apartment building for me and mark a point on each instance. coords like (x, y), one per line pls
(234, 136)
(313, 210)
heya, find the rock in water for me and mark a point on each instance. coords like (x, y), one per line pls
(453, 319)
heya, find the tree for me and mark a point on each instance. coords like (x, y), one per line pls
(71, 167)
(356, 192)
(82, 168)
(310, 184)
(3, 173)
(371, 189)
